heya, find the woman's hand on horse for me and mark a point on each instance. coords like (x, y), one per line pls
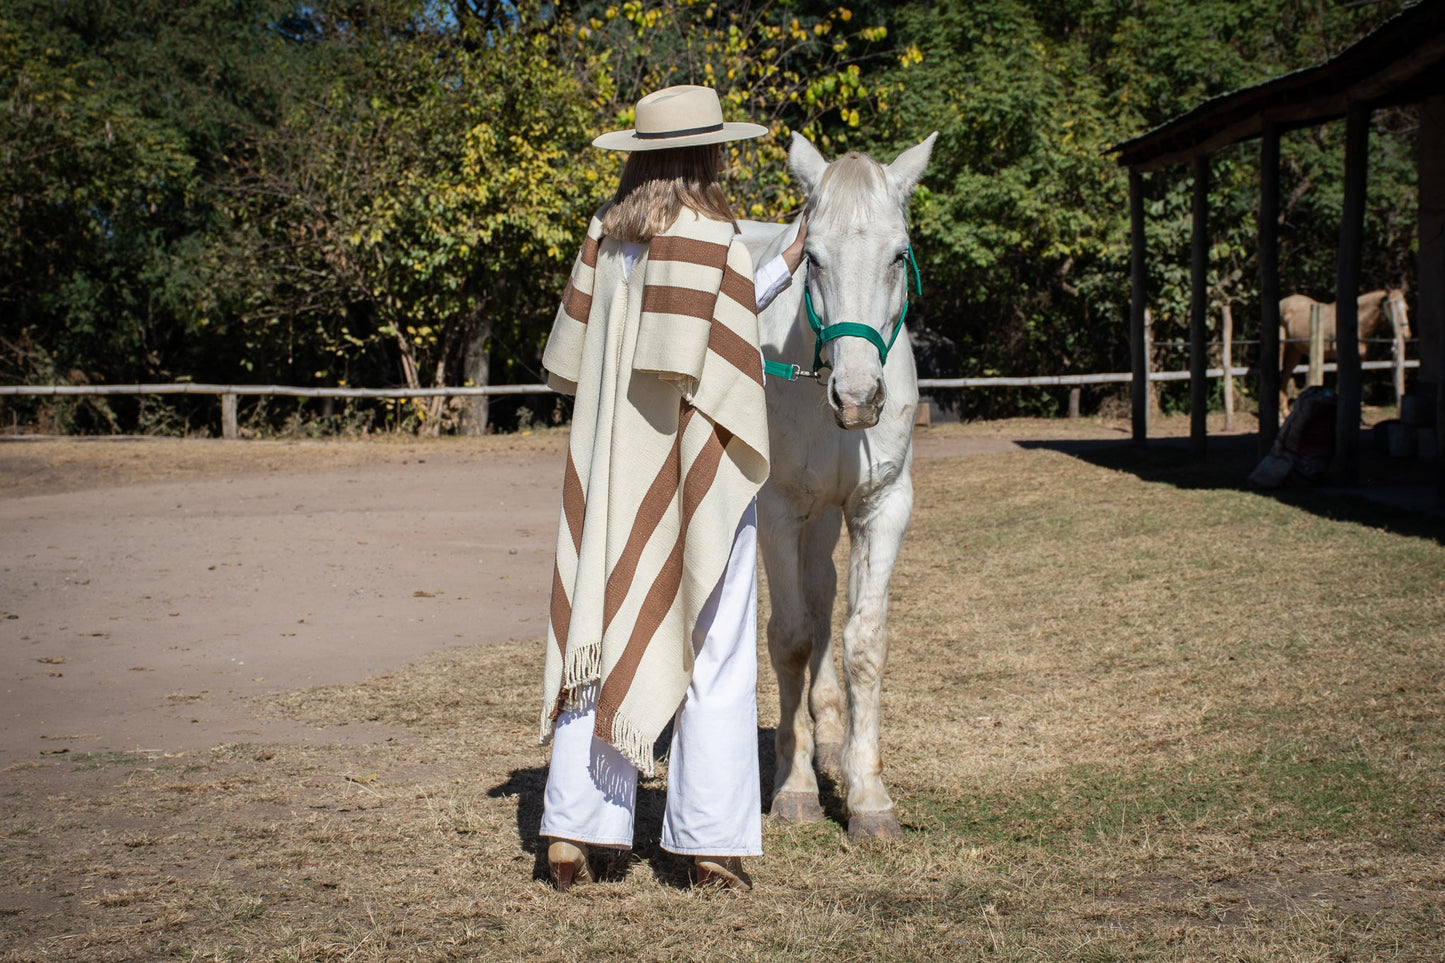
(793, 255)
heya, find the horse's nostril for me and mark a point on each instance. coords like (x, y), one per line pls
(833, 398)
(877, 397)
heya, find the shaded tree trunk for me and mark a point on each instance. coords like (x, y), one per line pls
(476, 365)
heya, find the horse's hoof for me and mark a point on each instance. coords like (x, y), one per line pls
(828, 757)
(880, 824)
(796, 807)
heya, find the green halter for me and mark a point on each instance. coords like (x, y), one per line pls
(823, 333)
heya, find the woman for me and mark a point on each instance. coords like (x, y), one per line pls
(654, 600)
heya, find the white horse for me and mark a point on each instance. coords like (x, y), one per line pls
(842, 447)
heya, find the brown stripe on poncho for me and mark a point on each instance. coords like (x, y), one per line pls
(669, 444)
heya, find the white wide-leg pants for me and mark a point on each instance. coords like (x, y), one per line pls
(713, 802)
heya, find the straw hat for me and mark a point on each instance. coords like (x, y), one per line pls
(678, 117)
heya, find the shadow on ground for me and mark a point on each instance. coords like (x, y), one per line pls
(528, 786)
(1394, 494)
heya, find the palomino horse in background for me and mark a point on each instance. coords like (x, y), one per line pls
(842, 449)
(1375, 309)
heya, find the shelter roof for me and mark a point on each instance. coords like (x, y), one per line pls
(1400, 62)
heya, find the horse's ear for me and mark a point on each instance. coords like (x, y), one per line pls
(908, 167)
(806, 163)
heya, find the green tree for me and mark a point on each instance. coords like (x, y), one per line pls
(411, 212)
(789, 66)
(1022, 221)
(391, 191)
(111, 120)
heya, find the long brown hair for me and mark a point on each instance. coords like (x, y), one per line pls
(657, 184)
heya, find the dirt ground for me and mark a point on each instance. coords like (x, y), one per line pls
(152, 590)
(277, 700)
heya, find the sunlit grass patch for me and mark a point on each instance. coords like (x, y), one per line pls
(1266, 794)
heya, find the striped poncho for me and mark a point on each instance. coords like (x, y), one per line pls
(669, 444)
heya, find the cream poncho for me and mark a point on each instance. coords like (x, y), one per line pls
(669, 444)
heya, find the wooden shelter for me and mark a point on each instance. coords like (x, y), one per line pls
(1401, 62)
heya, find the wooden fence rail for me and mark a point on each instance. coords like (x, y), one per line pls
(189, 388)
(1314, 371)
(229, 394)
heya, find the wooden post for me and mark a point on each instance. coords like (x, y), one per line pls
(1074, 393)
(1316, 374)
(1151, 393)
(1430, 270)
(1397, 354)
(1198, 309)
(1227, 362)
(228, 417)
(1268, 287)
(1347, 292)
(1138, 326)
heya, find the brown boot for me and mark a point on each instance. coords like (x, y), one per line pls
(568, 862)
(725, 871)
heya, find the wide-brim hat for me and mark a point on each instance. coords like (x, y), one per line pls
(683, 116)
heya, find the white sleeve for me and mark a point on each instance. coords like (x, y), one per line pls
(770, 280)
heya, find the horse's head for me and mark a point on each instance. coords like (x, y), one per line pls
(1395, 309)
(858, 264)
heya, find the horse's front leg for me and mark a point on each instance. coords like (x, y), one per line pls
(790, 643)
(820, 588)
(876, 538)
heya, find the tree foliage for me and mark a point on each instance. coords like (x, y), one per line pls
(112, 120)
(414, 207)
(390, 192)
(1024, 215)
(788, 66)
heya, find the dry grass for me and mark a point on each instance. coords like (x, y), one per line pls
(1132, 713)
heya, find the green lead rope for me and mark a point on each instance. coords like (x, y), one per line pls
(788, 372)
(823, 333)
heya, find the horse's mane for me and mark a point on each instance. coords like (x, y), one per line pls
(851, 193)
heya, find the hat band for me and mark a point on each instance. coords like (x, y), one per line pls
(661, 134)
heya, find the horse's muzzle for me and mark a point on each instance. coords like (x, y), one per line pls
(853, 417)
(853, 414)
